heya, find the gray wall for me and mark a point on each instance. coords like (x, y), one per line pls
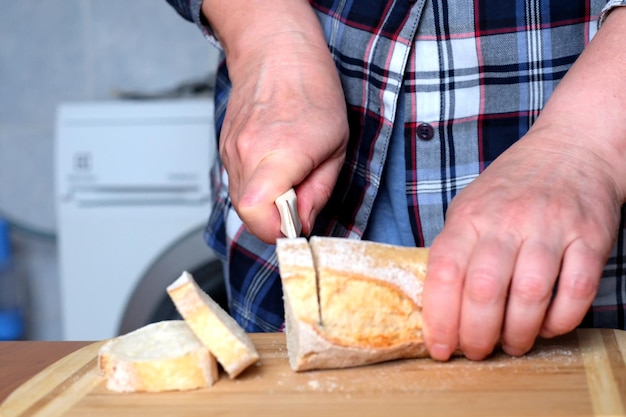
(66, 51)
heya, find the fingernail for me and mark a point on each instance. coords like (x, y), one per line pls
(312, 218)
(512, 351)
(440, 351)
(547, 334)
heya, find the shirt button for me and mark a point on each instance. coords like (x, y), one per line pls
(425, 131)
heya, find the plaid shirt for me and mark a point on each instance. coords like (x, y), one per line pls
(475, 75)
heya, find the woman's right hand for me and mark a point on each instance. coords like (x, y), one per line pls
(285, 124)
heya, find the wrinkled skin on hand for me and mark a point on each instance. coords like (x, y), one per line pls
(285, 126)
(543, 210)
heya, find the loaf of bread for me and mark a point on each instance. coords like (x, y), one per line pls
(163, 356)
(215, 328)
(351, 302)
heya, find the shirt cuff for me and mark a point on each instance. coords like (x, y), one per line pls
(203, 24)
(610, 6)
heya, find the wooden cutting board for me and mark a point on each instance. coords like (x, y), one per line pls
(580, 374)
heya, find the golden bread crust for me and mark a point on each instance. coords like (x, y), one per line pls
(217, 330)
(369, 301)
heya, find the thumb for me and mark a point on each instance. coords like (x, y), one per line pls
(256, 200)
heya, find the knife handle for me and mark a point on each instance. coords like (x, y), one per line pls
(290, 224)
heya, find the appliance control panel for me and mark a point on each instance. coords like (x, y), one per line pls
(128, 152)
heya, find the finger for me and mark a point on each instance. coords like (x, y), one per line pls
(535, 273)
(484, 296)
(232, 174)
(576, 289)
(256, 206)
(313, 193)
(441, 301)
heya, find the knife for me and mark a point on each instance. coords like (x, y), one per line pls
(291, 227)
(290, 224)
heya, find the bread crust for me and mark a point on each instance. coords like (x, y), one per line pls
(369, 301)
(215, 328)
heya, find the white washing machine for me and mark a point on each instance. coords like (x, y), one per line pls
(133, 197)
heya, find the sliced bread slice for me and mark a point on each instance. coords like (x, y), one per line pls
(163, 356)
(215, 328)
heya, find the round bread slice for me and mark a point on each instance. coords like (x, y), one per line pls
(162, 356)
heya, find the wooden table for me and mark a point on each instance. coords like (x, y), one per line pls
(19, 361)
(580, 374)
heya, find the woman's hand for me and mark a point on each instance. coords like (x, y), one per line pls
(286, 124)
(544, 210)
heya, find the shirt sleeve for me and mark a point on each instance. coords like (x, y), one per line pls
(610, 6)
(192, 10)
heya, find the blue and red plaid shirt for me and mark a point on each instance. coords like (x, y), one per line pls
(474, 75)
